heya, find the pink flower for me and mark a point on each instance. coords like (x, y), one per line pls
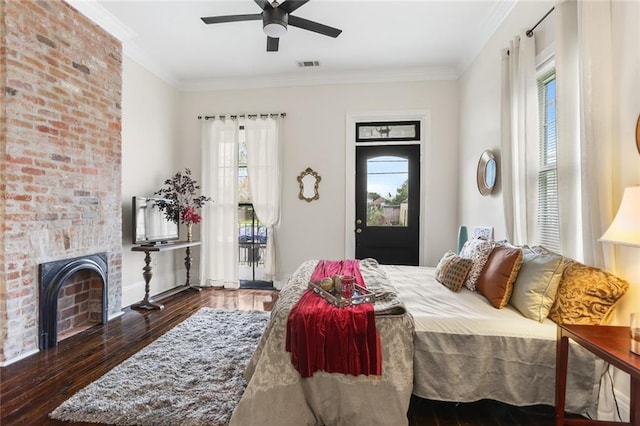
(189, 215)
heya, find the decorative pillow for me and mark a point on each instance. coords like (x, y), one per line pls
(444, 261)
(537, 284)
(455, 272)
(586, 295)
(478, 251)
(498, 275)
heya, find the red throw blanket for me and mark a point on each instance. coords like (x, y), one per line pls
(322, 337)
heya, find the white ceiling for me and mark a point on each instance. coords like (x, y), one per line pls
(389, 40)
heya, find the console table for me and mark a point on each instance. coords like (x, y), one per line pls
(147, 303)
(610, 343)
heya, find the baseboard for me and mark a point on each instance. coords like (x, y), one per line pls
(19, 357)
(116, 315)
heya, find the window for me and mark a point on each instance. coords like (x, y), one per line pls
(548, 220)
(252, 236)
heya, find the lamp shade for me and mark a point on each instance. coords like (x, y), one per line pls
(625, 228)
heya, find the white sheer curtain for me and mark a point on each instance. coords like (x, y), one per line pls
(264, 160)
(585, 128)
(519, 134)
(597, 134)
(219, 254)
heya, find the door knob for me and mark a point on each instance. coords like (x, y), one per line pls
(358, 231)
(358, 221)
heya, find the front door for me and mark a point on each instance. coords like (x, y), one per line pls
(387, 222)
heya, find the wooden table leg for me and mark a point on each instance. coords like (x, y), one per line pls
(562, 355)
(146, 303)
(187, 265)
(634, 409)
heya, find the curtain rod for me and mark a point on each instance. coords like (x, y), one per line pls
(234, 116)
(530, 32)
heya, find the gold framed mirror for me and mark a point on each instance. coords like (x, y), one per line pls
(638, 134)
(308, 181)
(487, 173)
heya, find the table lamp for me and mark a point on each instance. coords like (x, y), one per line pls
(625, 230)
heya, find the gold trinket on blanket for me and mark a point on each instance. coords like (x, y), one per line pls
(327, 284)
(337, 282)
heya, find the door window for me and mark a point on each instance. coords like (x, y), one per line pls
(387, 191)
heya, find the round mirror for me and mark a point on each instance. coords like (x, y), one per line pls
(308, 181)
(487, 173)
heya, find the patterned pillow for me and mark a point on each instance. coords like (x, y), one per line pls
(537, 284)
(443, 262)
(586, 295)
(455, 272)
(478, 251)
(498, 275)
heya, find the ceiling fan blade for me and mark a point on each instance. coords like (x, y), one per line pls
(232, 18)
(291, 5)
(272, 44)
(305, 24)
(264, 4)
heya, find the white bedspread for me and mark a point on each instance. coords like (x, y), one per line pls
(466, 350)
(277, 395)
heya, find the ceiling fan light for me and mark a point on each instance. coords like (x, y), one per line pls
(274, 22)
(275, 29)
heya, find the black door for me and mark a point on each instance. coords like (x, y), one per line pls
(387, 222)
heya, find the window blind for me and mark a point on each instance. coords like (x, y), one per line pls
(548, 214)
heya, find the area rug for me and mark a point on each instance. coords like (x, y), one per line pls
(192, 375)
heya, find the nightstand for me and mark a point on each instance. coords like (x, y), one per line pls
(611, 344)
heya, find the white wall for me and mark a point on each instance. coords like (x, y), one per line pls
(314, 136)
(480, 129)
(148, 158)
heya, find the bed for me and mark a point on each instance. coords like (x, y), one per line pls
(475, 351)
(436, 344)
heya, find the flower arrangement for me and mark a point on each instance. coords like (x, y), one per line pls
(179, 201)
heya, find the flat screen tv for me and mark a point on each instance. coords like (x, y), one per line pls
(150, 226)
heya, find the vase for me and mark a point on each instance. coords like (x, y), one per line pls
(189, 230)
(462, 237)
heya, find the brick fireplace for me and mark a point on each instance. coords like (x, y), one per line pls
(66, 297)
(60, 157)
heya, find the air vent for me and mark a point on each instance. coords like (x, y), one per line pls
(308, 64)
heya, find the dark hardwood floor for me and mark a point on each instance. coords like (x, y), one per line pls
(34, 386)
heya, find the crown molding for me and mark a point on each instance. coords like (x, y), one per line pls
(320, 78)
(498, 14)
(105, 19)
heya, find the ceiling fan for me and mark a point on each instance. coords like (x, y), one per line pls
(275, 18)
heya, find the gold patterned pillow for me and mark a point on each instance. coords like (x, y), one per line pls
(586, 295)
(455, 272)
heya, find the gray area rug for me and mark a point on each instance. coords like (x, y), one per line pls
(192, 375)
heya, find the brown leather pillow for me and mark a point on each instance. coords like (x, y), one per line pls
(499, 273)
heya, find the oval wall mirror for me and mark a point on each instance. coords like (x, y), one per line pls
(487, 173)
(309, 181)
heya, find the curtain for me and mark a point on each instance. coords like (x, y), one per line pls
(264, 168)
(219, 264)
(585, 128)
(519, 137)
(597, 134)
